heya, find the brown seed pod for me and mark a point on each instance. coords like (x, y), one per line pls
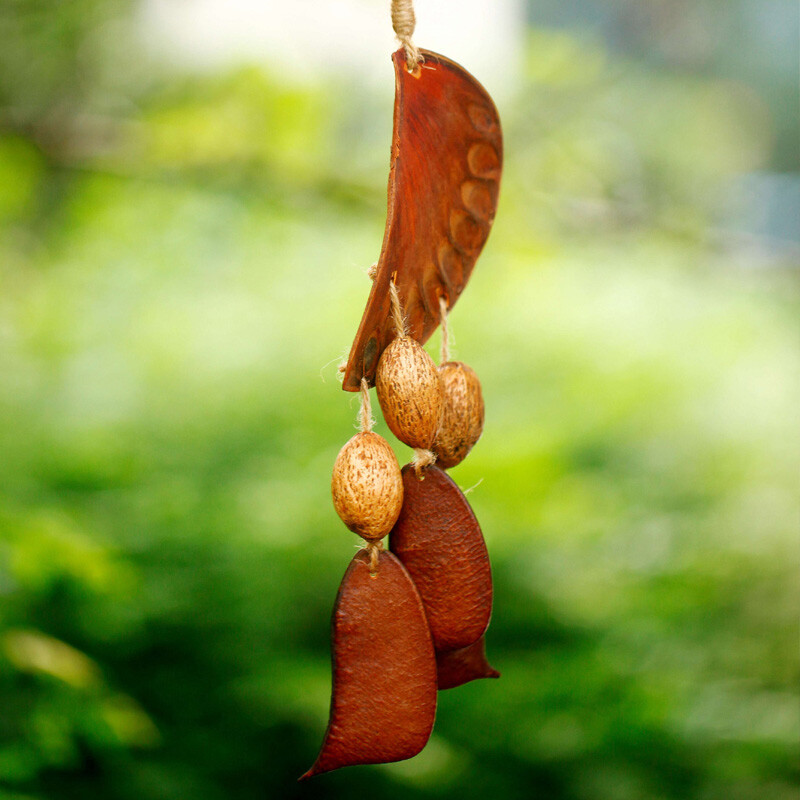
(384, 672)
(410, 392)
(367, 486)
(462, 415)
(440, 543)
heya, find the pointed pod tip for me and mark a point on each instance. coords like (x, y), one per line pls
(315, 770)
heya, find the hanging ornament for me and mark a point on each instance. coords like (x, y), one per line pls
(411, 620)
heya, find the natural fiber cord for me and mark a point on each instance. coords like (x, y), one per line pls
(444, 356)
(400, 325)
(365, 414)
(404, 22)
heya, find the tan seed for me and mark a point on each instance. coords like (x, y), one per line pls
(410, 392)
(367, 486)
(462, 417)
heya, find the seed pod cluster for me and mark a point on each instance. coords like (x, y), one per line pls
(410, 392)
(412, 620)
(367, 486)
(462, 415)
(417, 615)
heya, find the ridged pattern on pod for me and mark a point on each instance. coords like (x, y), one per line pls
(384, 669)
(367, 486)
(410, 392)
(447, 156)
(441, 545)
(462, 414)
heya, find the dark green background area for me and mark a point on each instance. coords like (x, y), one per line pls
(182, 268)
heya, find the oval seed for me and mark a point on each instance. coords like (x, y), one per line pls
(367, 486)
(462, 414)
(410, 392)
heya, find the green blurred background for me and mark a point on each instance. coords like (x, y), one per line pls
(182, 268)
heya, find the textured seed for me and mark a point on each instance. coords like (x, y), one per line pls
(367, 486)
(410, 392)
(462, 414)
(384, 671)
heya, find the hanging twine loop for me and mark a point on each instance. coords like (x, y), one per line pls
(400, 324)
(422, 458)
(404, 22)
(374, 550)
(444, 353)
(367, 421)
(365, 414)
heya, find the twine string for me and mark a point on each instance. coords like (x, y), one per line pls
(422, 458)
(400, 324)
(365, 413)
(404, 21)
(445, 351)
(374, 550)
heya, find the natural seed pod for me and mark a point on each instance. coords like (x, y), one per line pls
(410, 392)
(383, 701)
(440, 543)
(462, 415)
(367, 486)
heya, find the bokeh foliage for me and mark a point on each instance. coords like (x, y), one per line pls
(181, 269)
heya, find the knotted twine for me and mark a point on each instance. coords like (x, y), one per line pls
(366, 421)
(444, 356)
(365, 413)
(404, 22)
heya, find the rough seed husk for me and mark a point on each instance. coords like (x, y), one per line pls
(367, 486)
(410, 392)
(462, 416)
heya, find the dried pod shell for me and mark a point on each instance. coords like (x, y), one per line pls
(440, 543)
(410, 392)
(384, 671)
(462, 414)
(367, 486)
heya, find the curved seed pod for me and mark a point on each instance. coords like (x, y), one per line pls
(384, 670)
(441, 545)
(462, 415)
(457, 667)
(447, 156)
(366, 485)
(410, 392)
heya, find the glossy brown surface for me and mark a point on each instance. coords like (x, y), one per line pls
(457, 667)
(441, 545)
(384, 669)
(447, 154)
